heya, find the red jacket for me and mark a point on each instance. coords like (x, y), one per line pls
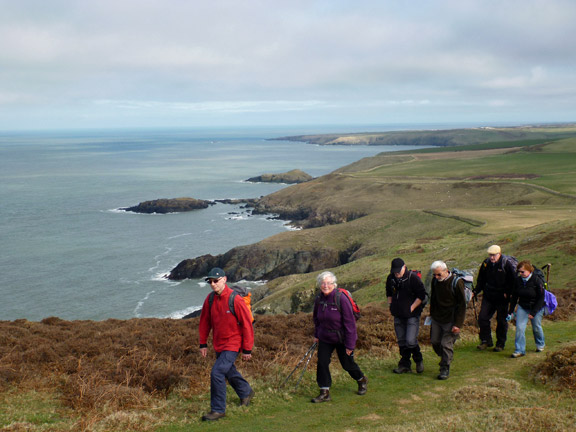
(229, 332)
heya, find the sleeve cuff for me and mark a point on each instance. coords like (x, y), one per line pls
(246, 351)
(203, 345)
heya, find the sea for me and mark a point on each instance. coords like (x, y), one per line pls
(67, 249)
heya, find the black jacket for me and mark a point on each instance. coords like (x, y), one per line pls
(496, 279)
(404, 291)
(529, 295)
(447, 303)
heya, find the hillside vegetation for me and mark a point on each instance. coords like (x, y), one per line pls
(448, 205)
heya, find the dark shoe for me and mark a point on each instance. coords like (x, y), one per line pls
(246, 401)
(212, 416)
(517, 354)
(444, 374)
(324, 396)
(498, 349)
(401, 370)
(484, 345)
(362, 385)
(420, 366)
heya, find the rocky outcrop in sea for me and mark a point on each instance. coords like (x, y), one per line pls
(290, 177)
(169, 205)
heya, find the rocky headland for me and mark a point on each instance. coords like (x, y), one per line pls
(169, 205)
(291, 177)
(400, 204)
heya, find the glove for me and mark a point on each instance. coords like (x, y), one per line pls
(510, 317)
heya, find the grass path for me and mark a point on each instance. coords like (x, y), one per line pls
(486, 391)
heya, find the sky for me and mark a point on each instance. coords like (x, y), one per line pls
(215, 63)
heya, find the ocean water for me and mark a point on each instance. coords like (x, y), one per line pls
(67, 249)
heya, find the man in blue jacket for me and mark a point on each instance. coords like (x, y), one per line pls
(406, 293)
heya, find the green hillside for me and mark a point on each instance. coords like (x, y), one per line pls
(426, 206)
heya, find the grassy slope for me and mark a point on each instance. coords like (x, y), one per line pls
(445, 205)
(486, 391)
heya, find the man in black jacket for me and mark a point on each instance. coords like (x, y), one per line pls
(405, 292)
(496, 279)
(447, 311)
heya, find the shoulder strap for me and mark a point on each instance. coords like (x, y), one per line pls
(231, 302)
(337, 299)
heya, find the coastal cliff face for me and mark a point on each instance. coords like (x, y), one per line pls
(171, 205)
(259, 262)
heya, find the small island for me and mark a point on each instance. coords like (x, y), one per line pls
(290, 177)
(169, 205)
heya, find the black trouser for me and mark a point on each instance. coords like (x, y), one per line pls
(325, 350)
(487, 310)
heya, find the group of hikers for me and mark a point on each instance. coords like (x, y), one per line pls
(509, 288)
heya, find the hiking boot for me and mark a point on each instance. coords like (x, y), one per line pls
(484, 345)
(444, 374)
(246, 401)
(498, 349)
(212, 416)
(401, 370)
(362, 385)
(420, 367)
(324, 396)
(517, 354)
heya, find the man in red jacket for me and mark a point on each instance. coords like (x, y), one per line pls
(231, 332)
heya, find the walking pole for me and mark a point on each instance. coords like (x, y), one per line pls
(547, 272)
(475, 312)
(306, 365)
(308, 354)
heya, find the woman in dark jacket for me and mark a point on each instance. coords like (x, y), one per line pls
(529, 294)
(334, 329)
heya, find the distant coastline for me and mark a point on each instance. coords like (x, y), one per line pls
(438, 138)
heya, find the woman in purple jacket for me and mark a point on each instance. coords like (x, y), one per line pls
(334, 329)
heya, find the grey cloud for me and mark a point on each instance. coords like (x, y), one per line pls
(329, 57)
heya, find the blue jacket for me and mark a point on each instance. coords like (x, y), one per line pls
(331, 325)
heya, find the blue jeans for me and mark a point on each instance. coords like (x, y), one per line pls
(522, 323)
(407, 335)
(223, 370)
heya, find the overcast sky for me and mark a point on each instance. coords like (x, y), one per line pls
(191, 63)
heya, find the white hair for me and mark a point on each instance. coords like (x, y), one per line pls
(325, 275)
(438, 264)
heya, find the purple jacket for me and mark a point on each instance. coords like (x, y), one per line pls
(331, 325)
